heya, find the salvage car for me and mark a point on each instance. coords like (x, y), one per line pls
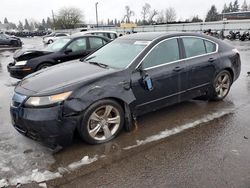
(112, 35)
(7, 40)
(128, 77)
(53, 37)
(65, 49)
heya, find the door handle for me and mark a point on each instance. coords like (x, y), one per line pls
(211, 59)
(177, 69)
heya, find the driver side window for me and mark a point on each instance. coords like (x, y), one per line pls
(78, 45)
(165, 52)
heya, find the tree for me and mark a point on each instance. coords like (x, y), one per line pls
(160, 17)
(5, 21)
(128, 14)
(68, 18)
(145, 12)
(212, 14)
(225, 9)
(44, 24)
(26, 25)
(236, 6)
(196, 19)
(170, 14)
(153, 14)
(230, 7)
(20, 26)
(244, 6)
(49, 23)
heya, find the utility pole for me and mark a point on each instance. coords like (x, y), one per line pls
(96, 14)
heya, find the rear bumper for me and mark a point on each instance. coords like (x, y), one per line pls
(18, 72)
(44, 125)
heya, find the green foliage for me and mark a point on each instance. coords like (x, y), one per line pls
(212, 14)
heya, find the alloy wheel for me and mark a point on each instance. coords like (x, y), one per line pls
(222, 85)
(104, 122)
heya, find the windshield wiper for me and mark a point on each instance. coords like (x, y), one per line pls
(98, 64)
(83, 59)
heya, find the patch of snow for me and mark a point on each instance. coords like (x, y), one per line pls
(44, 185)
(179, 129)
(38, 177)
(84, 161)
(3, 183)
(35, 176)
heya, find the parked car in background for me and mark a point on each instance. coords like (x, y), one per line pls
(64, 49)
(109, 34)
(53, 37)
(7, 40)
(126, 78)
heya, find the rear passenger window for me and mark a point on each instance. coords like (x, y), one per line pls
(95, 42)
(113, 36)
(165, 52)
(210, 47)
(193, 46)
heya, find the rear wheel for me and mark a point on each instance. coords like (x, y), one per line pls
(43, 66)
(221, 86)
(50, 41)
(101, 122)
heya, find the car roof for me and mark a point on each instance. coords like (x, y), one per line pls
(150, 36)
(83, 36)
(93, 31)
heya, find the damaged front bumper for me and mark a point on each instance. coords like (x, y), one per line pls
(46, 125)
(18, 72)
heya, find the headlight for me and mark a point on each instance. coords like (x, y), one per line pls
(47, 100)
(19, 63)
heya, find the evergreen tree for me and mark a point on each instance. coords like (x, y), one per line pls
(196, 19)
(212, 14)
(26, 25)
(20, 26)
(49, 23)
(236, 6)
(225, 9)
(44, 24)
(6, 21)
(244, 6)
(230, 7)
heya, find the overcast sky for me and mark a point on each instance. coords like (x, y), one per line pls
(16, 10)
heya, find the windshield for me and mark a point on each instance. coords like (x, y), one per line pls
(57, 45)
(117, 54)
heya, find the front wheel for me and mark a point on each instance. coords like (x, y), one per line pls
(101, 122)
(221, 86)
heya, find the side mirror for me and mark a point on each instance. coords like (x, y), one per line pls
(68, 51)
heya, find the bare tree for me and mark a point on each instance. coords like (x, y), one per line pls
(170, 14)
(153, 14)
(145, 12)
(67, 18)
(129, 13)
(160, 17)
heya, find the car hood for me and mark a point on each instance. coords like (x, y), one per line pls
(60, 78)
(26, 54)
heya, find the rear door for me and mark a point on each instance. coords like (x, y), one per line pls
(201, 58)
(164, 67)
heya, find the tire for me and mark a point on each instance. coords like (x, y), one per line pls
(50, 41)
(14, 43)
(43, 66)
(94, 127)
(221, 86)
